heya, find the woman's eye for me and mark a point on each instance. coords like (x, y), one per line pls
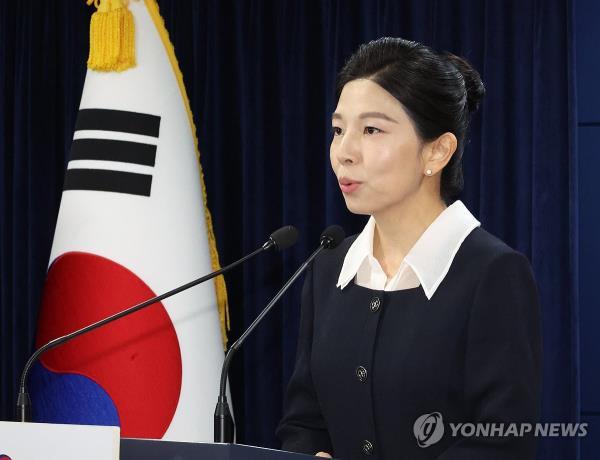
(336, 130)
(371, 130)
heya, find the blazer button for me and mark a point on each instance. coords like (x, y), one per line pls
(367, 447)
(375, 304)
(361, 373)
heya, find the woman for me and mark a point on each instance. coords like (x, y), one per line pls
(423, 312)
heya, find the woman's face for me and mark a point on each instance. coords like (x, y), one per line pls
(375, 152)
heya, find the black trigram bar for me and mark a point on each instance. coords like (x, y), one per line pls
(113, 150)
(103, 180)
(118, 120)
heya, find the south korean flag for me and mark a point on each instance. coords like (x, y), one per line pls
(132, 224)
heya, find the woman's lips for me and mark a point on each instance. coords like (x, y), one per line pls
(348, 186)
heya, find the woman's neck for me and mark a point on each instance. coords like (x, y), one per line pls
(398, 228)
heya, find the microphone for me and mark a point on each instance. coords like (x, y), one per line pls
(280, 239)
(223, 422)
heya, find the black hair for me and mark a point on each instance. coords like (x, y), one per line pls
(439, 91)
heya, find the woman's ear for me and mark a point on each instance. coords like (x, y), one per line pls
(439, 153)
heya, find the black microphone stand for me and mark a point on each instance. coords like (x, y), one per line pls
(23, 399)
(223, 421)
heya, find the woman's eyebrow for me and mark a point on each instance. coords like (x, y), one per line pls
(383, 116)
(376, 115)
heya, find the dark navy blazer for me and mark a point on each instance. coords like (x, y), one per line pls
(370, 363)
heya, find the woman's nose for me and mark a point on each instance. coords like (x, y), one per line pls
(348, 152)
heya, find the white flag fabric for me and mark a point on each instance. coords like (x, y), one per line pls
(132, 224)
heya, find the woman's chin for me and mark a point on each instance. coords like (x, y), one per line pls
(358, 208)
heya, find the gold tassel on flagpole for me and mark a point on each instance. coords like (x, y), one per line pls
(112, 35)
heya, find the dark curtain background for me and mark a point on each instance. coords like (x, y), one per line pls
(260, 77)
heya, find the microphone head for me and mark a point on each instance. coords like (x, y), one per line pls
(284, 237)
(332, 236)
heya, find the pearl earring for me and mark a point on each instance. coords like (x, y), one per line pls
(429, 172)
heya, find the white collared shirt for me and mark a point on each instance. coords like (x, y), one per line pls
(426, 264)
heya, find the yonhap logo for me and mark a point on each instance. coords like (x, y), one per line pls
(429, 429)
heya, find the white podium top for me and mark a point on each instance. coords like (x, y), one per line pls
(34, 441)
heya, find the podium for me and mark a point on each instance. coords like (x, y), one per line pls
(149, 449)
(20, 441)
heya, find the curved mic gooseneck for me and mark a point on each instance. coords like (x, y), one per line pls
(280, 239)
(223, 422)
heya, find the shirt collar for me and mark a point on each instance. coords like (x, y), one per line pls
(430, 257)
